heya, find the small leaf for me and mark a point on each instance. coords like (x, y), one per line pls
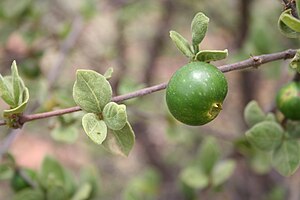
(108, 73)
(261, 161)
(266, 135)
(6, 171)
(120, 142)
(17, 83)
(194, 177)
(143, 186)
(182, 44)
(270, 117)
(284, 29)
(6, 91)
(211, 55)
(293, 129)
(29, 194)
(91, 91)
(290, 21)
(199, 27)
(67, 134)
(286, 158)
(52, 173)
(20, 108)
(115, 116)
(295, 62)
(253, 114)
(83, 192)
(89, 175)
(94, 128)
(222, 172)
(56, 192)
(209, 154)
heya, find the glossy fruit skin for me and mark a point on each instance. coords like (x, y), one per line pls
(195, 93)
(288, 100)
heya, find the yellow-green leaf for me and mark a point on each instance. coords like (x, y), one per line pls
(94, 127)
(91, 91)
(115, 116)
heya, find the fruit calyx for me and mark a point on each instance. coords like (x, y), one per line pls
(214, 110)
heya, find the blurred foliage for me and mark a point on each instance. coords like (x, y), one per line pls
(33, 33)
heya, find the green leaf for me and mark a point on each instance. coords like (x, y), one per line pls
(89, 175)
(115, 116)
(120, 142)
(209, 154)
(295, 62)
(293, 129)
(285, 29)
(253, 114)
(17, 83)
(222, 172)
(91, 91)
(67, 134)
(15, 8)
(194, 177)
(266, 135)
(6, 171)
(29, 194)
(83, 192)
(52, 173)
(182, 44)
(56, 192)
(199, 27)
(286, 158)
(108, 73)
(94, 127)
(20, 108)
(270, 117)
(211, 55)
(261, 162)
(290, 21)
(6, 91)
(143, 186)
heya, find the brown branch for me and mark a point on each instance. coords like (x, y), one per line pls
(254, 61)
(291, 4)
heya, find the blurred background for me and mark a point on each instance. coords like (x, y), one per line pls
(51, 39)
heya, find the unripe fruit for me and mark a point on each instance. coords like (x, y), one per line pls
(288, 100)
(195, 93)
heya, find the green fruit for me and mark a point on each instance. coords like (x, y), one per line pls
(195, 93)
(18, 182)
(288, 100)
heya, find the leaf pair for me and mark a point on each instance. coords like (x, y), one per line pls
(106, 122)
(267, 135)
(14, 93)
(199, 28)
(114, 118)
(208, 169)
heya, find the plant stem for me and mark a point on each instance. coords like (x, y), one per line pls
(254, 61)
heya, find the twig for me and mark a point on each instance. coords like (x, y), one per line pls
(8, 141)
(291, 4)
(66, 46)
(254, 61)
